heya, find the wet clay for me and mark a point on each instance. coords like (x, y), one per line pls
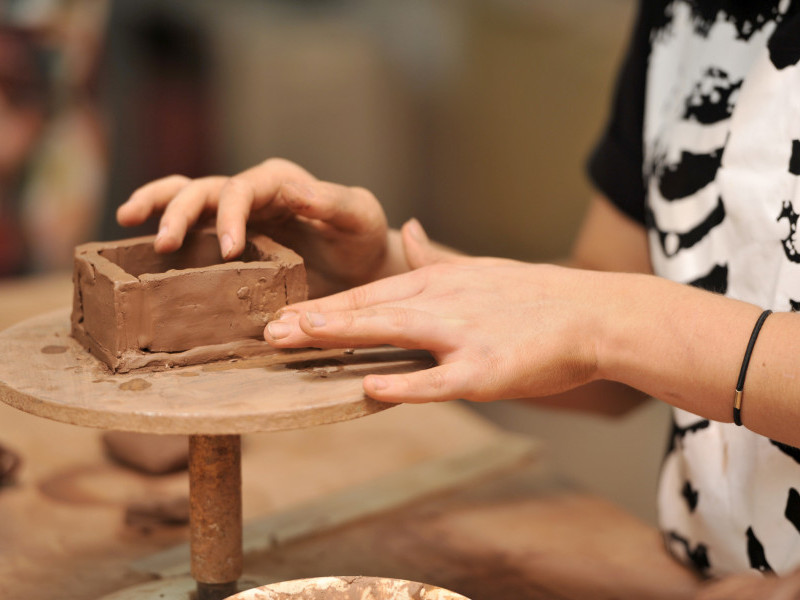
(136, 309)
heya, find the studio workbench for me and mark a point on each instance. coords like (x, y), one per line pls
(429, 493)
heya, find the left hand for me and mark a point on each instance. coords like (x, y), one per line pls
(497, 328)
(340, 231)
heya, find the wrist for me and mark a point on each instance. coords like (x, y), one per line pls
(595, 305)
(631, 307)
(394, 259)
(675, 342)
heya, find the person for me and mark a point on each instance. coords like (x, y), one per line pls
(689, 240)
(53, 155)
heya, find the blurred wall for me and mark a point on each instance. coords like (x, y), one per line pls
(316, 85)
(474, 115)
(528, 99)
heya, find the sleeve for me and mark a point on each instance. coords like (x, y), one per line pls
(615, 164)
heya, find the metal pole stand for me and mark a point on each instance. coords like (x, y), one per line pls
(215, 496)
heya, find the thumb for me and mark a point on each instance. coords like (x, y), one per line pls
(418, 249)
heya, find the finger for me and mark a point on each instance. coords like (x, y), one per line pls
(149, 199)
(185, 209)
(285, 332)
(253, 189)
(394, 325)
(266, 179)
(235, 204)
(349, 209)
(400, 327)
(418, 249)
(437, 384)
(390, 289)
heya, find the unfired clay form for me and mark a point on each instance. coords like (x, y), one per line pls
(134, 308)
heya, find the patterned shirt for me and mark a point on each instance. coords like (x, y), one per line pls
(703, 148)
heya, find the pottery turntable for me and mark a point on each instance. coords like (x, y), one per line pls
(172, 344)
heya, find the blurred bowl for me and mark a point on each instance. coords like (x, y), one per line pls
(348, 588)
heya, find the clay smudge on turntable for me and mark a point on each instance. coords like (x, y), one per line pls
(319, 368)
(276, 358)
(53, 349)
(135, 385)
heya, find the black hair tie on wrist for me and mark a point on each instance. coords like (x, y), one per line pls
(737, 398)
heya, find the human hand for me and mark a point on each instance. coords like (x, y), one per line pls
(340, 231)
(752, 586)
(497, 328)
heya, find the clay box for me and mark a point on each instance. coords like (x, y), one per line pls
(134, 308)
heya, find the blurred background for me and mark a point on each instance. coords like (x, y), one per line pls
(475, 116)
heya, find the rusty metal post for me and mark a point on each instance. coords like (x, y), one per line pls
(215, 495)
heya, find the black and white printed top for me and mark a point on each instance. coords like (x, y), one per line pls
(707, 109)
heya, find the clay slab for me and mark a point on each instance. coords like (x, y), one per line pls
(134, 308)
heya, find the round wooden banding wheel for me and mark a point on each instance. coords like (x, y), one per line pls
(43, 371)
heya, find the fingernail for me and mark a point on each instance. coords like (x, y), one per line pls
(378, 383)
(226, 245)
(316, 319)
(278, 330)
(162, 233)
(284, 315)
(416, 231)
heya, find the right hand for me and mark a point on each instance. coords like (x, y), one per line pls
(498, 329)
(341, 232)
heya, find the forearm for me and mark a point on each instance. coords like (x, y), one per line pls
(685, 346)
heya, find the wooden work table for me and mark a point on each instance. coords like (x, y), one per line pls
(377, 496)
